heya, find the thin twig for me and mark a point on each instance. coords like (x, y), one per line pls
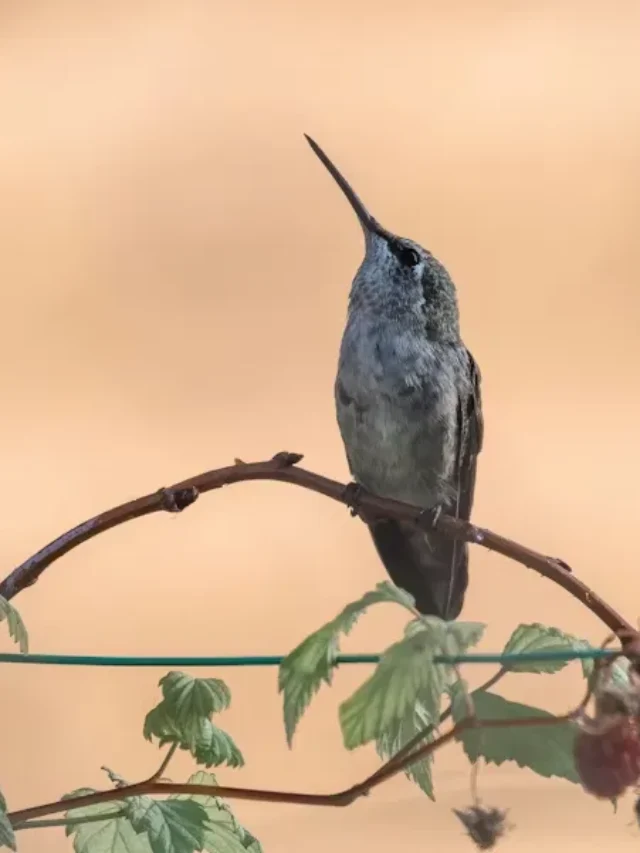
(68, 821)
(165, 763)
(341, 798)
(283, 468)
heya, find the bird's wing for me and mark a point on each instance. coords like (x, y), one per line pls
(470, 440)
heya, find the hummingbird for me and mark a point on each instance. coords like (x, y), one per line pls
(408, 405)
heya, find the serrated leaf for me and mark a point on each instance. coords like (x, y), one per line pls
(312, 662)
(251, 843)
(187, 702)
(459, 695)
(208, 744)
(398, 734)
(586, 663)
(159, 723)
(405, 671)
(17, 628)
(172, 826)
(189, 697)
(463, 635)
(114, 834)
(547, 750)
(7, 836)
(218, 811)
(223, 832)
(220, 839)
(383, 592)
(539, 638)
(302, 672)
(618, 671)
(213, 747)
(451, 638)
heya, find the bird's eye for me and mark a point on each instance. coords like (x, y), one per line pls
(409, 257)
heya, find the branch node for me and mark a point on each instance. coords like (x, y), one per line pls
(175, 500)
(284, 459)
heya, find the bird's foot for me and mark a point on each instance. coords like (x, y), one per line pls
(431, 516)
(351, 497)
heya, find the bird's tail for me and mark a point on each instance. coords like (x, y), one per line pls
(432, 568)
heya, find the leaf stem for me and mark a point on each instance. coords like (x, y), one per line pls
(165, 763)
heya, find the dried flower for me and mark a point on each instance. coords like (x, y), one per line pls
(484, 825)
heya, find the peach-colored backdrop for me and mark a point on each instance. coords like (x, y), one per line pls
(175, 266)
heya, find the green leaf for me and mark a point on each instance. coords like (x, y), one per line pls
(17, 629)
(208, 744)
(7, 837)
(222, 833)
(182, 717)
(586, 663)
(618, 671)
(539, 638)
(312, 662)
(114, 834)
(547, 750)
(159, 723)
(190, 698)
(172, 826)
(398, 734)
(459, 695)
(405, 671)
(251, 843)
(220, 839)
(302, 672)
(463, 635)
(188, 701)
(452, 638)
(213, 747)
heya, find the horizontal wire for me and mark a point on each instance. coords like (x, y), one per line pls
(276, 660)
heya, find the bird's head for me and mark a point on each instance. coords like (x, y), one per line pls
(397, 276)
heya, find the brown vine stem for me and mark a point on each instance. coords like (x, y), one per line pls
(340, 798)
(417, 739)
(165, 763)
(283, 468)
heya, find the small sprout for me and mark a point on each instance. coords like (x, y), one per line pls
(485, 826)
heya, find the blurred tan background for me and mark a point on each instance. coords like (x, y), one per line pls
(175, 266)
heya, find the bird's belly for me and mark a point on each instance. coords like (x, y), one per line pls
(393, 453)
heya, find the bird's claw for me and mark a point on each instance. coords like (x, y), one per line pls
(351, 497)
(433, 515)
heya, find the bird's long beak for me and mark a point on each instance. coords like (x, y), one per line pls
(369, 224)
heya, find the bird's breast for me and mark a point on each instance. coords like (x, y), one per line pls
(396, 412)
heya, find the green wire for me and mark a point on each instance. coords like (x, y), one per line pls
(275, 660)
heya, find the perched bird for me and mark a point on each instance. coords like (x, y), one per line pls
(408, 404)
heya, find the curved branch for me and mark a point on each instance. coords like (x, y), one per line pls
(340, 798)
(283, 468)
